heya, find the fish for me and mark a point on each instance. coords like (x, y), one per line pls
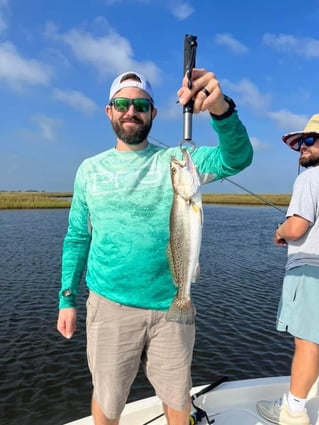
(185, 228)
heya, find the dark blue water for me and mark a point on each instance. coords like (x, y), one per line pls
(44, 378)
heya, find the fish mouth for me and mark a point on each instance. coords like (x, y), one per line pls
(185, 177)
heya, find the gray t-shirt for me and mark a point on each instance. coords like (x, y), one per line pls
(305, 203)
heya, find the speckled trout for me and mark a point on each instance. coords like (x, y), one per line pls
(186, 222)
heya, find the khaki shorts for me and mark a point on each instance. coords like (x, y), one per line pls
(119, 338)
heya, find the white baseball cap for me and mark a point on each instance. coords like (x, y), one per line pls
(121, 82)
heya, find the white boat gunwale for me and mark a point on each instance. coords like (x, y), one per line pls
(230, 403)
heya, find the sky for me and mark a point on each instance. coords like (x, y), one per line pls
(59, 57)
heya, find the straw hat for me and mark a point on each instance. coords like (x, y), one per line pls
(311, 129)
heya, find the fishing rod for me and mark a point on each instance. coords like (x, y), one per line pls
(190, 45)
(198, 414)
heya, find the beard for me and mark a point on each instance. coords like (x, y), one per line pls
(309, 161)
(132, 136)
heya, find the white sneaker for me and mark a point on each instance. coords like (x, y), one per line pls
(278, 412)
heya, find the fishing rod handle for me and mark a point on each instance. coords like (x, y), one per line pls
(196, 418)
(190, 45)
(193, 419)
(209, 387)
(188, 125)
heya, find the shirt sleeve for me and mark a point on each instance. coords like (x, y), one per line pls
(304, 197)
(76, 244)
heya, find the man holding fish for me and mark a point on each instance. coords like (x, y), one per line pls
(135, 222)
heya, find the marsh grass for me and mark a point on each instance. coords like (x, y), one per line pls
(30, 200)
(247, 199)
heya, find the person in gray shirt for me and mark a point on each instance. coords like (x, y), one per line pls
(298, 311)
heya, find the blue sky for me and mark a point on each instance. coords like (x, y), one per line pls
(59, 57)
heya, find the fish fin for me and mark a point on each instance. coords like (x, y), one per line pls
(207, 178)
(202, 216)
(183, 313)
(171, 264)
(195, 207)
(196, 274)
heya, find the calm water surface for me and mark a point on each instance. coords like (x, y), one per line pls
(44, 378)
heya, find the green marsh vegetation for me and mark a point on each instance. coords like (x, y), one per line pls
(30, 200)
(246, 199)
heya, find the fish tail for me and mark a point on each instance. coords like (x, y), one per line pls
(181, 312)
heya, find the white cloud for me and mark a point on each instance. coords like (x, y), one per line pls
(249, 94)
(76, 100)
(182, 10)
(48, 126)
(288, 121)
(229, 41)
(18, 71)
(306, 47)
(259, 145)
(172, 110)
(111, 54)
(179, 8)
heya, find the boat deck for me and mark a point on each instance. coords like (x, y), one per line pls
(231, 403)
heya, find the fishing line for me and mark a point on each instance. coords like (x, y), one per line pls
(255, 195)
(231, 181)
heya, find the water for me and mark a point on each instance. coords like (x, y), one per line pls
(44, 378)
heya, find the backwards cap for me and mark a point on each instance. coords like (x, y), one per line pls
(120, 82)
(311, 129)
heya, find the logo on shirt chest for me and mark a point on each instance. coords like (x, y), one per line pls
(125, 181)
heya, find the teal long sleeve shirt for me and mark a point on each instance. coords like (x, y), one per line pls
(119, 218)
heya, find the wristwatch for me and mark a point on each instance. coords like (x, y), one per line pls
(228, 113)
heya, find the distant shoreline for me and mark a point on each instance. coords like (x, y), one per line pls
(246, 199)
(44, 200)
